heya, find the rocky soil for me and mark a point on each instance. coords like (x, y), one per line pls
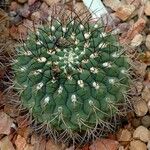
(132, 22)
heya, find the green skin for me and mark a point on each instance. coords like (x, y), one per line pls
(71, 77)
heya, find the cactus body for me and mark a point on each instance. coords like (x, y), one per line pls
(71, 77)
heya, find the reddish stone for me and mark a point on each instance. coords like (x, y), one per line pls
(125, 11)
(134, 30)
(31, 2)
(52, 146)
(20, 143)
(41, 145)
(5, 123)
(22, 31)
(136, 3)
(104, 144)
(13, 31)
(86, 147)
(14, 6)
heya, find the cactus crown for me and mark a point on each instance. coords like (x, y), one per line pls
(71, 77)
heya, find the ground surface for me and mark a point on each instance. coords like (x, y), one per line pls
(132, 20)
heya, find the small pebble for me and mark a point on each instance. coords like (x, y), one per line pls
(136, 3)
(136, 122)
(139, 86)
(137, 40)
(104, 144)
(12, 13)
(9, 109)
(44, 7)
(147, 43)
(31, 2)
(142, 133)
(22, 31)
(51, 2)
(29, 147)
(140, 107)
(5, 123)
(147, 8)
(121, 148)
(146, 94)
(20, 142)
(28, 23)
(113, 4)
(148, 104)
(14, 6)
(22, 1)
(137, 145)
(52, 146)
(15, 20)
(70, 148)
(36, 16)
(148, 145)
(146, 121)
(140, 68)
(24, 11)
(136, 28)
(41, 145)
(124, 135)
(5, 144)
(125, 11)
(35, 7)
(123, 27)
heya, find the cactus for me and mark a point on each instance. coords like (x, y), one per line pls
(71, 76)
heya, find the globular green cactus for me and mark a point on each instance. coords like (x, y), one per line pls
(71, 76)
